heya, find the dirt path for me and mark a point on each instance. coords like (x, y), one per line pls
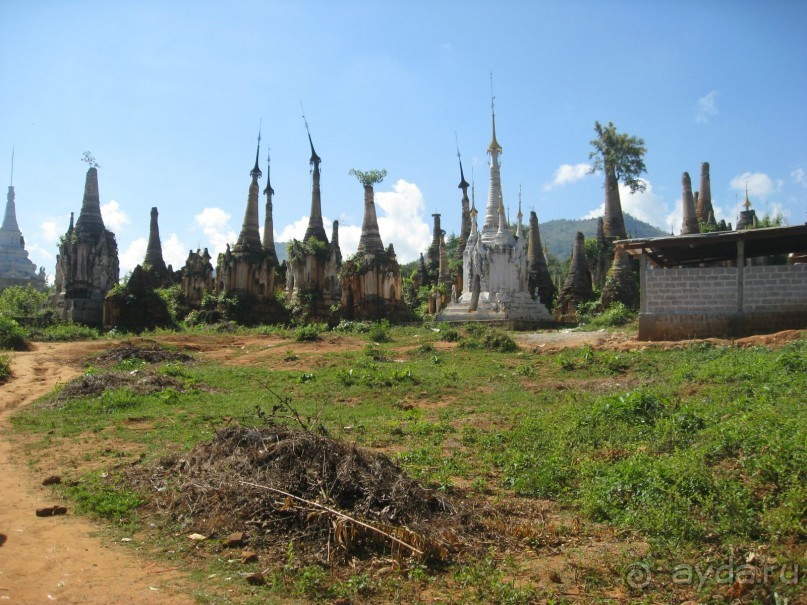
(58, 559)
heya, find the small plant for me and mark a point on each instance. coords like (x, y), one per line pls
(290, 355)
(497, 340)
(104, 498)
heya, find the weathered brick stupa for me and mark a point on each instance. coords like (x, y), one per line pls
(137, 306)
(748, 217)
(16, 269)
(704, 206)
(689, 225)
(465, 225)
(577, 288)
(312, 279)
(540, 282)
(87, 263)
(197, 278)
(247, 272)
(620, 285)
(371, 278)
(494, 264)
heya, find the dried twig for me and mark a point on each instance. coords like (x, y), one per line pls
(336, 513)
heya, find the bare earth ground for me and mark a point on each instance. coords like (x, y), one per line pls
(61, 559)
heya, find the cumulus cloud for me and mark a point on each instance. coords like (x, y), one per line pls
(133, 255)
(759, 184)
(51, 230)
(215, 224)
(707, 107)
(400, 222)
(114, 217)
(799, 176)
(174, 252)
(568, 173)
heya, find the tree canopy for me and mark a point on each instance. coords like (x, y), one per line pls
(369, 178)
(620, 152)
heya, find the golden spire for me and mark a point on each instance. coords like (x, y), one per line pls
(494, 144)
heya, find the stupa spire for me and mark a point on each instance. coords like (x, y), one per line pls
(704, 205)
(250, 238)
(491, 224)
(154, 250)
(90, 221)
(268, 221)
(10, 216)
(315, 229)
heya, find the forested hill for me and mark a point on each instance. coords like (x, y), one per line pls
(558, 235)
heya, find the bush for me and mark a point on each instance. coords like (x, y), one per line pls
(5, 367)
(497, 340)
(22, 301)
(449, 335)
(12, 336)
(308, 333)
(63, 332)
(615, 315)
(379, 332)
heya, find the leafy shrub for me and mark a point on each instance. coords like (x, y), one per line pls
(357, 327)
(497, 340)
(12, 336)
(308, 333)
(22, 301)
(615, 315)
(379, 332)
(5, 367)
(449, 335)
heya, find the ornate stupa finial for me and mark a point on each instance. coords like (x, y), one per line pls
(11, 181)
(463, 183)
(519, 216)
(315, 227)
(256, 171)
(494, 144)
(268, 189)
(315, 159)
(747, 202)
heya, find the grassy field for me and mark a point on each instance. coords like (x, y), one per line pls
(638, 475)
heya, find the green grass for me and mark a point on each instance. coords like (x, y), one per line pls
(679, 446)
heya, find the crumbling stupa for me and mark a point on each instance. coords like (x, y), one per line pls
(539, 281)
(87, 263)
(371, 279)
(495, 265)
(689, 225)
(704, 206)
(577, 288)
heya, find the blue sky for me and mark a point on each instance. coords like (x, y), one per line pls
(168, 96)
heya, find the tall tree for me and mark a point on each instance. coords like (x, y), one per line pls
(621, 158)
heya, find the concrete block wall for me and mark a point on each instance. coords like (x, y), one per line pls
(691, 291)
(702, 302)
(780, 288)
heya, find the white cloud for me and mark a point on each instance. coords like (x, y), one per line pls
(568, 173)
(114, 217)
(400, 223)
(51, 230)
(759, 184)
(707, 107)
(174, 252)
(215, 224)
(133, 255)
(296, 230)
(799, 176)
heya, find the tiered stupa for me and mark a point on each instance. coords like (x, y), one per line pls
(494, 263)
(540, 282)
(465, 226)
(748, 217)
(87, 263)
(247, 269)
(16, 269)
(313, 267)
